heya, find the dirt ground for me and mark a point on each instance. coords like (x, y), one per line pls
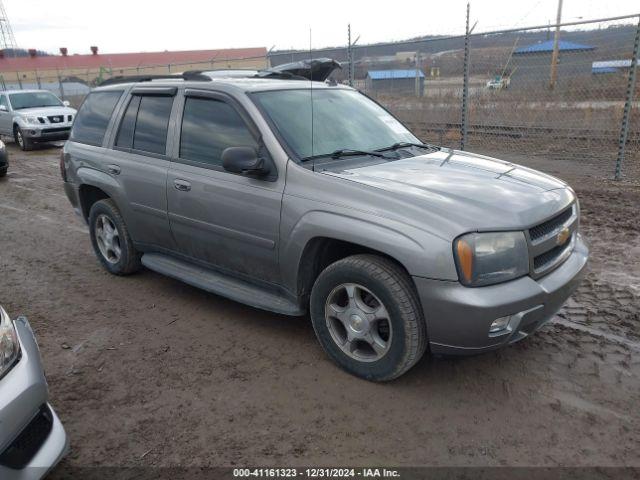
(147, 371)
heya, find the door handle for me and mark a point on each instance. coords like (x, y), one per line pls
(182, 185)
(113, 169)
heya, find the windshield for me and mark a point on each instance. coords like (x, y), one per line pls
(34, 99)
(342, 119)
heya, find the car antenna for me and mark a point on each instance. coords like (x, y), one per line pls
(313, 166)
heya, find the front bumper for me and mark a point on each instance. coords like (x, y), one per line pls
(23, 397)
(458, 318)
(47, 134)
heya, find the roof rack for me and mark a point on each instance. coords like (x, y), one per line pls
(195, 75)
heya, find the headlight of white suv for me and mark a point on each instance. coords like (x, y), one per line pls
(9, 345)
(488, 258)
(31, 120)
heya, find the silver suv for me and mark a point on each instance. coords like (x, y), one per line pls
(296, 196)
(34, 116)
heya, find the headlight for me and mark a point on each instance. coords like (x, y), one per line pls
(9, 345)
(488, 258)
(32, 120)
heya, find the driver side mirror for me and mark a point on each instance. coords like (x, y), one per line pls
(3, 108)
(66, 103)
(245, 161)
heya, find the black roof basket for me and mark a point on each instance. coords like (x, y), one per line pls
(317, 69)
(195, 75)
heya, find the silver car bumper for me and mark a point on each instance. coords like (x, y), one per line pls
(27, 421)
(459, 318)
(47, 134)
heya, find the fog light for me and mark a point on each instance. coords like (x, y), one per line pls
(499, 324)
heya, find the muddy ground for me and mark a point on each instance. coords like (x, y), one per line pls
(147, 371)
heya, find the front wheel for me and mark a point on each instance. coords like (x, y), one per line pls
(367, 317)
(110, 239)
(24, 143)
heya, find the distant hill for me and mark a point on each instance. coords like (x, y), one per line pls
(615, 41)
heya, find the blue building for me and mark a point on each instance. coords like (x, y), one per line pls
(532, 63)
(395, 82)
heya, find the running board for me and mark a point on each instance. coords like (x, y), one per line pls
(221, 284)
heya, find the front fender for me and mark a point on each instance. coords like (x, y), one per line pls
(421, 253)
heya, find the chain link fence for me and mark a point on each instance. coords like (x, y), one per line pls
(502, 93)
(516, 106)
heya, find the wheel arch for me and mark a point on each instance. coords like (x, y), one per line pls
(88, 196)
(94, 185)
(321, 251)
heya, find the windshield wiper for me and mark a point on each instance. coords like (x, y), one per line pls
(399, 145)
(345, 152)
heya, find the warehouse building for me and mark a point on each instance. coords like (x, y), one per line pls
(92, 68)
(610, 66)
(532, 63)
(395, 82)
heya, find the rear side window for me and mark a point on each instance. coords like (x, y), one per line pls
(93, 118)
(150, 133)
(128, 125)
(208, 127)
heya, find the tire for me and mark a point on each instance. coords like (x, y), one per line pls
(352, 289)
(115, 251)
(24, 143)
(3, 172)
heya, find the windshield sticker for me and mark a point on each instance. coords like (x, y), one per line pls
(393, 124)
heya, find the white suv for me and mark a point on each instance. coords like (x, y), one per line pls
(33, 116)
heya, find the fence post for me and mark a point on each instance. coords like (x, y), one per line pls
(19, 80)
(38, 81)
(624, 129)
(61, 87)
(465, 87)
(349, 56)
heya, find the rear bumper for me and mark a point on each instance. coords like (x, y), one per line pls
(23, 395)
(73, 195)
(458, 318)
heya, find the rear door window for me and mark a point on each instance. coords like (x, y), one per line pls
(94, 115)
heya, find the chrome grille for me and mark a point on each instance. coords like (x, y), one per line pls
(550, 226)
(552, 241)
(549, 257)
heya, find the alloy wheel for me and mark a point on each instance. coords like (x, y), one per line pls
(108, 239)
(358, 322)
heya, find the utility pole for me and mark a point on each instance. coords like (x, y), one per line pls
(556, 47)
(7, 40)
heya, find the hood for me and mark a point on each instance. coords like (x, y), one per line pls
(45, 111)
(467, 192)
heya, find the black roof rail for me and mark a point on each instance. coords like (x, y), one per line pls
(195, 75)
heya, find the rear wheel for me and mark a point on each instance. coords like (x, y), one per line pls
(110, 239)
(23, 142)
(367, 317)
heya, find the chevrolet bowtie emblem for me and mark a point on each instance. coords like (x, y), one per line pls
(563, 236)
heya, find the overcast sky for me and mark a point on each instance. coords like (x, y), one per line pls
(128, 26)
